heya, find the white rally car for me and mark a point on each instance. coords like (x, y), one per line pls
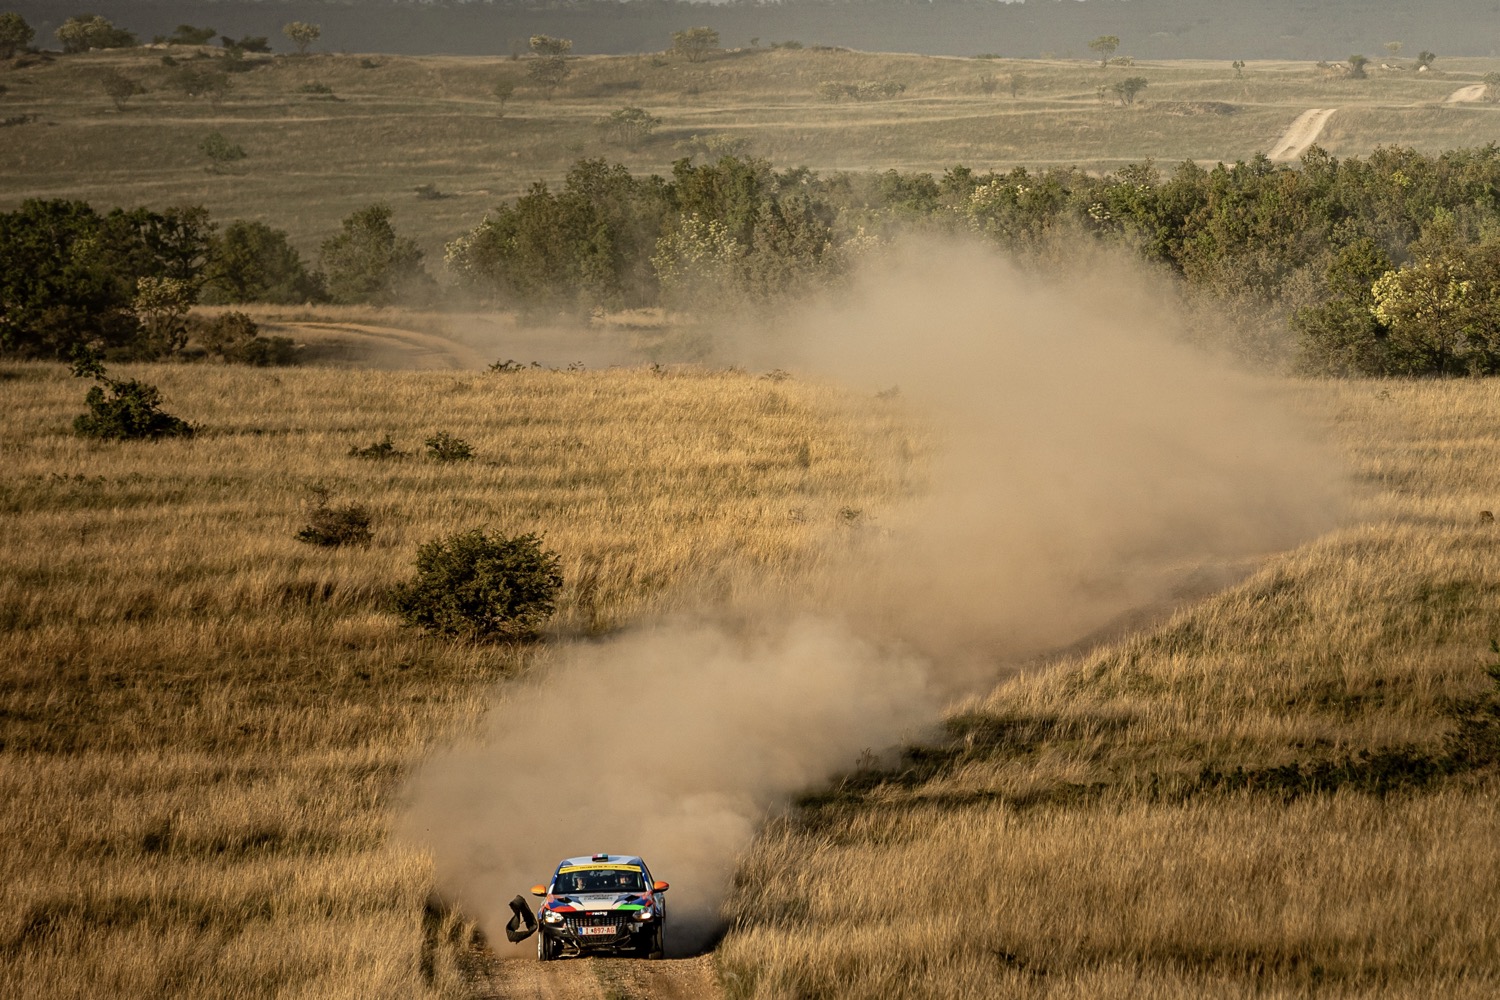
(600, 904)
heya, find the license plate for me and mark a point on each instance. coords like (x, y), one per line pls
(606, 930)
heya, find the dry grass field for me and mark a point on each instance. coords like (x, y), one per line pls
(204, 721)
(327, 134)
(1288, 789)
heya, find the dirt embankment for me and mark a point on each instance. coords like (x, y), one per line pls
(1463, 95)
(1302, 134)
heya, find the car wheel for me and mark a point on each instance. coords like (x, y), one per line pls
(544, 951)
(656, 949)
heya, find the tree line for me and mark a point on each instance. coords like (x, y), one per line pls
(1385, 265)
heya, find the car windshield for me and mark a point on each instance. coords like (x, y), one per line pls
(598, 880)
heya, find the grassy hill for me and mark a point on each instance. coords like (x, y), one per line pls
(327, 134)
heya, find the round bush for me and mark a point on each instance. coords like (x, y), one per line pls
(476, 586)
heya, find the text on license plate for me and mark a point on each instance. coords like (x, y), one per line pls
(606, 929)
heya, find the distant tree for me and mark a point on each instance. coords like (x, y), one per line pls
(502, 91)
(1425, 59)
(548, 72)
(1018, 83)
(1491, 83)
(251, 262)
(695, 43)
(186, 34)
(120, 87)
(220, 151)
(1394, 48)
(628, 126)
(249, 43)
(1357, 64)
(367, 262)
(15, 34)
(551, 48)
(90, 31)
(1239, 67)
(202, 81)
(1128, 88)
(301, 34)
(1105, 46)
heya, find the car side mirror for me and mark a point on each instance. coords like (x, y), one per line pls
(659, 887)
(539, 890)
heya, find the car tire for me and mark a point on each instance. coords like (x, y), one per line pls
(544, 949)
(656, 949)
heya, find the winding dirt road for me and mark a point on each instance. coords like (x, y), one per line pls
(600, 979)
(1303, 133)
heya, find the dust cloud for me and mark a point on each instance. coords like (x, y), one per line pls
(1093, 469)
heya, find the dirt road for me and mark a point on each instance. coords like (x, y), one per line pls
(1303, 133)
(600, 979)
(1473, 92)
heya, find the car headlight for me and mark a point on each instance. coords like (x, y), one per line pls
(551, 917)
(645, 913)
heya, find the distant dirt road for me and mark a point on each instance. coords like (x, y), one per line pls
(1473, 92)
(1303, 133)
(601, 979)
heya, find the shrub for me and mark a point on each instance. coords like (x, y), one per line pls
(444, 447)
(328, 525)
(235, 337)
(378, 450)
(122, 411)
(477, 586)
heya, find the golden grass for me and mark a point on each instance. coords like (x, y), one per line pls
(204, 722)
(1288, 789)
(393, 123)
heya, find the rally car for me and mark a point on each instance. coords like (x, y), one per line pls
(600, 904)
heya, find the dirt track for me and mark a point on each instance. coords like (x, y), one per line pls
(1302, 133)
(1473, 92)
(601, 979)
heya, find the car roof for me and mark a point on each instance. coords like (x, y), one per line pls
(601, 861)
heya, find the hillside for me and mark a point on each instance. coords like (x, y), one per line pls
(326, 135)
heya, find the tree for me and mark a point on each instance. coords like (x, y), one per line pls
(548, 72)
(481, 587)
(1491, 83)
(502, 91)
(196, 80)
(1239, 68)
(1105, 46)
(161, 305)
(1018, 84)
(220, 151)
(1425, 59)
(1128, 88)
(628, 126)
(367, 262)
(186, 34)
(120, 87)
(695, 43)
(551, 48)
(301, 34)
(1357, 64)
(1394, 48)
(251, 262)
(90, 31)
(15, 34)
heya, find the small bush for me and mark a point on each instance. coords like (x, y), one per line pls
(481, 587)
(122, 411)
(378, 450)
(444, 447)
(315, 88)
(235, 337)
(348, 524)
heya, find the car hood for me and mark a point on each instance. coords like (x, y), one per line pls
(599, 901)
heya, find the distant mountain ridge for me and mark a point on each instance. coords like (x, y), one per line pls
(1148, 29)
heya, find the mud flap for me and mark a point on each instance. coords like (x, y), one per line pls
(523, 918)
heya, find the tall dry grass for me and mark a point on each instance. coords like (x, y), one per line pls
(1289, 789)
(204, 722)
